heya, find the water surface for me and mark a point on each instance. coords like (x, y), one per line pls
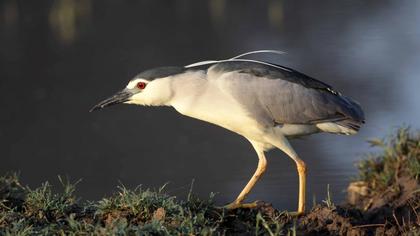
(58, 58)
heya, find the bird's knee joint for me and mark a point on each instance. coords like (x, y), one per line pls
(260, 171)
(262, 166)
(301, 167)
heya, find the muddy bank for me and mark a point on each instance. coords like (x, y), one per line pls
(383, 200)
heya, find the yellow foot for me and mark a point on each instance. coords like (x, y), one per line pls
(296, 213)
(236, 205)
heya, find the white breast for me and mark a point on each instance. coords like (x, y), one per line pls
(209, 103)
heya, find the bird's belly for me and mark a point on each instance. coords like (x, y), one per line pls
(297, 130)
(233, 118)
(235, 121)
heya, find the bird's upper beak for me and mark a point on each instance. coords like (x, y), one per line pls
(120, 97)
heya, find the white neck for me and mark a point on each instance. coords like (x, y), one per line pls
(186, 88)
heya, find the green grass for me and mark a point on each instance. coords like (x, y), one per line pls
(142, 211)
(25, 211)
(328, 201)
(400, 155)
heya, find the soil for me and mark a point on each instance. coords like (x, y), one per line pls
(384, 201)
(365, 213)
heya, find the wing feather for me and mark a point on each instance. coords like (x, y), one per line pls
(286, 97)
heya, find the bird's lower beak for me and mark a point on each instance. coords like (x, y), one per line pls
(118, 98)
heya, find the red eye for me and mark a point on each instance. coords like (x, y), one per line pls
(141, 85)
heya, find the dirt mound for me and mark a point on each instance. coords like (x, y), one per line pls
(384, 200)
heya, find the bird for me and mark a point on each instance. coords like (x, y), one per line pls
(266, 103)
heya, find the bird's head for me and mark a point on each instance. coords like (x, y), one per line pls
(150, 88)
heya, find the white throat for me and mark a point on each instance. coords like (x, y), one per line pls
(156, 93)
(168, 91)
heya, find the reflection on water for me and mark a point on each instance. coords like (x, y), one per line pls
(10, 13)
(60, 57)
(66, 16)
(275, 13)
(217, 11)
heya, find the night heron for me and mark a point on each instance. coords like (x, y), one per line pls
(264, 102)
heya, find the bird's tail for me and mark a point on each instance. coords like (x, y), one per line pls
(350, 122)
(349, 126)
(354, 118)
(357, 115)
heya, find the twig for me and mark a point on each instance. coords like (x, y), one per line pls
(396, 220)
(369, 225)
(415, 211)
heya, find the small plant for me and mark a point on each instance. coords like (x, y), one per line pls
(400, 156)
(269, 226)
(45, 204)
(393, 173)
(328, 201)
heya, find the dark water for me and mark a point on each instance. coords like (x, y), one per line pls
(58, 58)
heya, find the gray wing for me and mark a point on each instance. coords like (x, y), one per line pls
(286, 96)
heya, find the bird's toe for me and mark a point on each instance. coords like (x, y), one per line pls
(236, 205)
(296, 213)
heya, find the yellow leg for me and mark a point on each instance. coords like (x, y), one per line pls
(301, 167)
(262, 164)
(281, 142)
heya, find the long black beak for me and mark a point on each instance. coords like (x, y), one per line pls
(120, 97)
